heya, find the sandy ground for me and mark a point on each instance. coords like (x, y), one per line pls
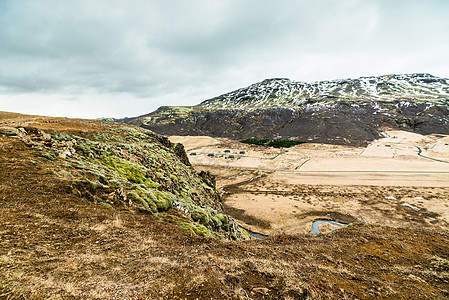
(272, 191)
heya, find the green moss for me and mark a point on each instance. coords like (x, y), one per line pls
(86, 148)
(98, 175)
(163, 200)
(104, 137)
(63, 136)
(130, 131)
(201, 215)
(195, 228)
(135, 197)
(153, 200)
(131, 171)
(223, 219)
(216, 222)
(114, 183)
(160, 174)
(206, 187)
(91, 185)
(141, 164)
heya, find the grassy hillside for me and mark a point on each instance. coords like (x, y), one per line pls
(99, 210)
(121, 167)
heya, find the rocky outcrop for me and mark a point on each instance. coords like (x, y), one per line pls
(181, 153)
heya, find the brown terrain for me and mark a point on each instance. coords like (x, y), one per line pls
(59, 244)
(273, 191)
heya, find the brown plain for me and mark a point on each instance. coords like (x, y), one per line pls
(384, 183)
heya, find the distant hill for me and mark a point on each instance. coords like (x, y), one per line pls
(345, 111)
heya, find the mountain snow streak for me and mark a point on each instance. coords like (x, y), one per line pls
(286, 93)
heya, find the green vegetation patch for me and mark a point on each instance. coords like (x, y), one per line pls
(151, 199)
(255, 141)
(195, 228)
(129, 166)
(130, 131)
(284, 143)
(201, 215)
(131, 171)
(220, 220)
(274, 143)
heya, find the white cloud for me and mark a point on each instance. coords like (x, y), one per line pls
(125, 58)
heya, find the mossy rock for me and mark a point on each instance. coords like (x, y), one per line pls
(195, 228)
(129, 170)
(200, 215)
(153, 200)
(150, 170)
(146, 205)
(130, 131)
(216, 222)
(219, 220)
(163, 200)
(86, 148)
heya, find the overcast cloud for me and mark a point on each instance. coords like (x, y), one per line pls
(99, 58)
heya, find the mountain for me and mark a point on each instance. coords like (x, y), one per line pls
(286, 93)
(102, 210)
(347, 111)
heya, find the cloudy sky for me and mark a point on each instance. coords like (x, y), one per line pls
(113, 58)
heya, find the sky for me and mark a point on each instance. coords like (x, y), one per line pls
(113, 58)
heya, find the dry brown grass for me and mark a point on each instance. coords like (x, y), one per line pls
(54, 245)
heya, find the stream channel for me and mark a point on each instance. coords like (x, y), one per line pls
(315, 228)
(316, 224)
(255, 234)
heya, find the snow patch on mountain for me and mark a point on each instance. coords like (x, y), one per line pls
(284, 92)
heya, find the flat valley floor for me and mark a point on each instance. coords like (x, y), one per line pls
(401, 180)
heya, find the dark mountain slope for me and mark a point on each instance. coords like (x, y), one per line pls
(351, 111)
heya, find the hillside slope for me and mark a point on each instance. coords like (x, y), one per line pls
(100, 210)
(121, 167)
(350, 111)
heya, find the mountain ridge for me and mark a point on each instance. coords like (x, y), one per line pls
(294, 93)
(343, 111)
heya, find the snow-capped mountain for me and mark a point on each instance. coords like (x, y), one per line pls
(286, 93)
(345, 111)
